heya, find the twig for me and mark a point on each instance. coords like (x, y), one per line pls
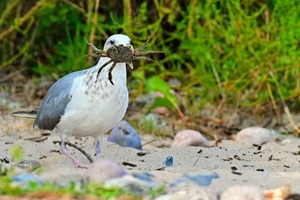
(288, 114)
(274, 104)
(16, 56)
(74, 6)
(7, 77)
(200, 153)
(286, 109)
(268, 122)
(76, 147)
(20, 21)
(92, 35)
(149, 142)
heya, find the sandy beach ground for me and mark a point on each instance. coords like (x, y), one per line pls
(273, 165)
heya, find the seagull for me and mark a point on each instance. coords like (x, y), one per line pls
(83, 104)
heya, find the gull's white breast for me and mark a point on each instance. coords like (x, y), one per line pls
(95, 106)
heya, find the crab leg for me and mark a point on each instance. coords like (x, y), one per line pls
(145, 58)
(102, 68)
(143, 46)
(148, 52)
(98, 51)
(93, 47)
(94, 55)
(109, 73)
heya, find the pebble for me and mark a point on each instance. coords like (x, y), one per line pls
(190, 192)
(254, 135)
(152, 123)
(243, 192)
(125, 135)
(103, 170)
(28, 165)
(180, 195)
(189, 138)
(160, 110)
(144, 176)
(23, 180)
(168, 161)
(201, 179)
(64, 176)
(132, 184)
(155, 120)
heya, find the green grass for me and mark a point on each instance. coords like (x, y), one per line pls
(241, 52)
(74, 190)
(48, 190)
(8, 187)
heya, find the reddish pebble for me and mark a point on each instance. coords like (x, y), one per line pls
(102, 170)
(254, 135)
(189, 138)
(160, 110)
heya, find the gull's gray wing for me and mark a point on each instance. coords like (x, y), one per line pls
(55, 102)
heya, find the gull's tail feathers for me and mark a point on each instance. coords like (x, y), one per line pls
(31, 114)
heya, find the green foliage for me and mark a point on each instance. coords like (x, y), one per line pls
(3, 171)
(168, 100)
(8, 187)
(158, 191)
(239, 52)
(17, 153)
(151, 124)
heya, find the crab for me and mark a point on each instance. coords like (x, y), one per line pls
(122, 54)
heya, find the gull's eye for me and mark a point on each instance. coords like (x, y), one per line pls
(112, 42)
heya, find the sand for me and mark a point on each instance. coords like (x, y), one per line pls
(275, 164)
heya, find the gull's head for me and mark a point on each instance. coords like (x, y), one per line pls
(116, 40)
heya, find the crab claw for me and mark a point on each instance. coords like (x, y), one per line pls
(104, 53)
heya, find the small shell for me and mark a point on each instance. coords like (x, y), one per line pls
(189, 138)
(278, 193)
(254, 135)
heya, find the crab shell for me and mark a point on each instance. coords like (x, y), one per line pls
(120, 54)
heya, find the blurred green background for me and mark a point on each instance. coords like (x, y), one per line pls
(242, 52)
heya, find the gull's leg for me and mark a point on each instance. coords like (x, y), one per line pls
(76, 162)
(98, 150)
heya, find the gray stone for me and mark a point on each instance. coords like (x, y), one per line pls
(103, 170)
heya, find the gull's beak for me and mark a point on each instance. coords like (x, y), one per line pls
(130, 65)
(131, 47)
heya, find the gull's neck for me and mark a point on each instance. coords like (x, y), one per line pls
(119, 73)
